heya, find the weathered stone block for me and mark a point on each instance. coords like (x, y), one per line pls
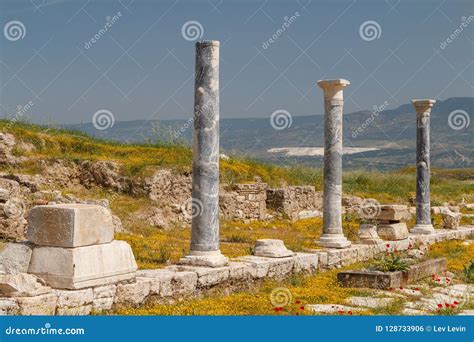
(171, 283)
(239, 271)
(133, 294)
(78, 302)
(80, 267)
(371, 279)
(425, 269)
(21, 285)
(8, 306)
(394, 231)
(305, 262)
(44, 305)
(206, 276)
(280, 268)
(104, 297)
(70, 225)
(15, 258)
(393, 212)
(271, 248)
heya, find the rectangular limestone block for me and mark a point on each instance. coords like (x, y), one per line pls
(80, 267)
(70, 225)
(393, 212)
(392, 232)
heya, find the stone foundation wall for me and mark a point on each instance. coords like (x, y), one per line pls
(176, 282)
(243, 201)
(293, 200)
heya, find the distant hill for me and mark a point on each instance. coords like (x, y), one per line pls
(392, 131)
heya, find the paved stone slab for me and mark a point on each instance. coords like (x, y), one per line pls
(70, 225)
(80, 267)
(370, 302)
(331, 308)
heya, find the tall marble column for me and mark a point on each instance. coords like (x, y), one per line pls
(333, 235)
(205, 189)
(423, 209)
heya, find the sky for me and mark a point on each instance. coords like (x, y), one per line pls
(272, 54)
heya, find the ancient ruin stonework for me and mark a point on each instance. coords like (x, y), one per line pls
(243, 201)
(293, 200)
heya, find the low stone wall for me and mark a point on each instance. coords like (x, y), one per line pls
(243, 201)
(293, 200)
(176, 282)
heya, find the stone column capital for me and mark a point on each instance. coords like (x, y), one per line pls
(208, 43)
(423, 106)
(333, 88)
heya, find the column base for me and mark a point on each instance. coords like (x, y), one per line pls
(333, 241)
(205, 259)
(423, 229)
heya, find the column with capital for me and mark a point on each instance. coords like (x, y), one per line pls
(423, 208)
(333, 235)
(205, 188)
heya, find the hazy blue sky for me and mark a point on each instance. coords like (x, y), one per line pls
(143, 67)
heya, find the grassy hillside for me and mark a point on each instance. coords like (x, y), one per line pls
(141, 159)
(154, 247)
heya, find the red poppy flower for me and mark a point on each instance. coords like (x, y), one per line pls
(349, 312)
(417, 289)
(297, 302)
(455, 302)
(387, 245)
(301, 307)
(447, 305)
(453, 306)
(340, 312)
(440, 306)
